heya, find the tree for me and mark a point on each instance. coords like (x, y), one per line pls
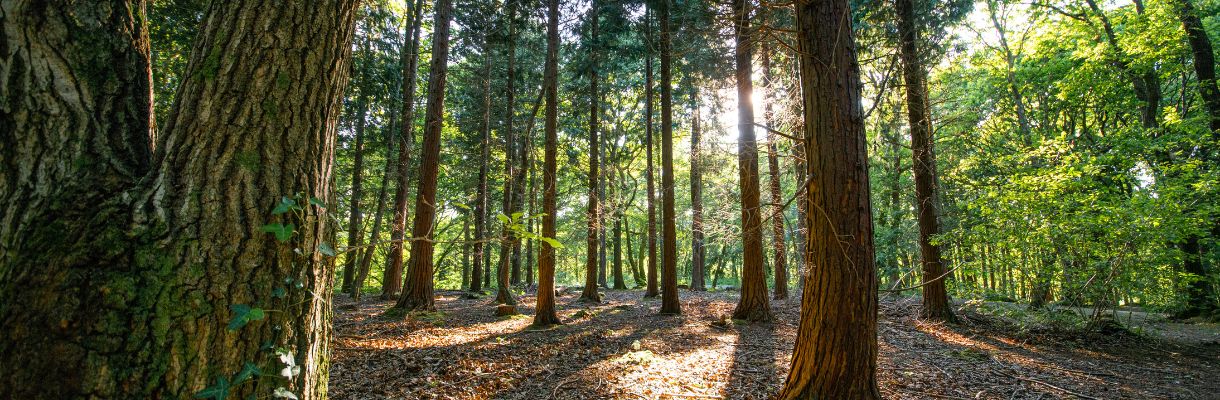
(669, 231)
(698, 248)
(121, 256)
(504, 294)
(418, 292)
(355, 232)
(391, 281)
(753, 304)
(935, 295)
(593, 213)
(391, 170)
(780, 291)
(835, 356)
(651, 291)
(544, 311)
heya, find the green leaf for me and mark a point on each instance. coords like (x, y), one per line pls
(326, 249)
(551, 241)
(317, 202)
(248, 370)
(502, 218)
(278, 293)
(243, 314)
(282, 232)
(282, 393)
(286, 204)
(218, 391)
(461, 205)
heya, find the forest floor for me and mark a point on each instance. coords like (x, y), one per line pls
(621, 349)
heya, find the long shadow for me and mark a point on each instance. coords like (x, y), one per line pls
(753, 374)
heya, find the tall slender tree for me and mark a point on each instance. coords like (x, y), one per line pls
(391, 281)
(935, 295)
(544, 311)
(418, 293)
(355, 229)
(504, 294)
(391, 170)
(651, 291)
(122, 257)
(669, 231)
(753, 304)
(780, 263)
(698, 267)
(593, 212)
(835, 355)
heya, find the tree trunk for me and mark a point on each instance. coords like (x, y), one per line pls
(355, 232)
(593, 212)
(544, 311)
(698, 251)
(465, 254)
(518, 178)
(753, 304)
(120, 262)
(780, 291)
(936, 304)
(391, 281)
(366, 258)
(835, 356)
(619, 283)
(651, 291)
(1204, 62)
(669, 231)
(418, 292)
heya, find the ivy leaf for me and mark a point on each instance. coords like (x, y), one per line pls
(248, 370)
(243, 314)
(218, 391)
(326, 249)
(282, 232)
(286, 204)
(282, 393)
(278, 292)
(317, 202)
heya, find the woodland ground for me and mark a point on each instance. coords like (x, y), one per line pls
(621, 349)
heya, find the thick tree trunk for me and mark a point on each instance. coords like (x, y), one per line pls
(593, 212)
(544, 311)
(669, 231)
(119, 263)
(391, 281)
(780, 291)
(1204, 62)
(835, 356)
(935, 295)
(355, 230)
(418, 292)
(698, 251)
(651, 291)
(753, 304)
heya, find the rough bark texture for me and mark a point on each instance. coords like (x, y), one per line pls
(935, 295)
(355, 231)
(651, 291)
(780, 265)
(544, 311)
(391, 281)
(617, 270)
(504, 294)
(753, 304)
(698, 257)
(418, 292)
(593, 211)
(669, 231)
(119, 266)
(835, 356)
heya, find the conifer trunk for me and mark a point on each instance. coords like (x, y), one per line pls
(593, 211)
(391, 281)
(753, 304)
(651, 290)
(669, 231)
(544, 311)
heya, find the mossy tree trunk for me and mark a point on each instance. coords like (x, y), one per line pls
(835, 355)
(418, 294)
(544, 311)
(120, 265)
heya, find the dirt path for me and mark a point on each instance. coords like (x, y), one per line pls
(622, 350)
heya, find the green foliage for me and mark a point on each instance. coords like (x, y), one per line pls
(282, 232)
(244, 314)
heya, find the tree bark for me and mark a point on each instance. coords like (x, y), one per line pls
(619, 283)
(366, 258)
(391, 281)
(780, 290)
(651, 291)
(936, 303)
(1204, 62)
(544, 311)
(418, 292)
(593, 211)
(698, 262)
(504, 294)
(669, 231)
(835, 356)
(355, 232)
(120, 262)
(753, 304)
